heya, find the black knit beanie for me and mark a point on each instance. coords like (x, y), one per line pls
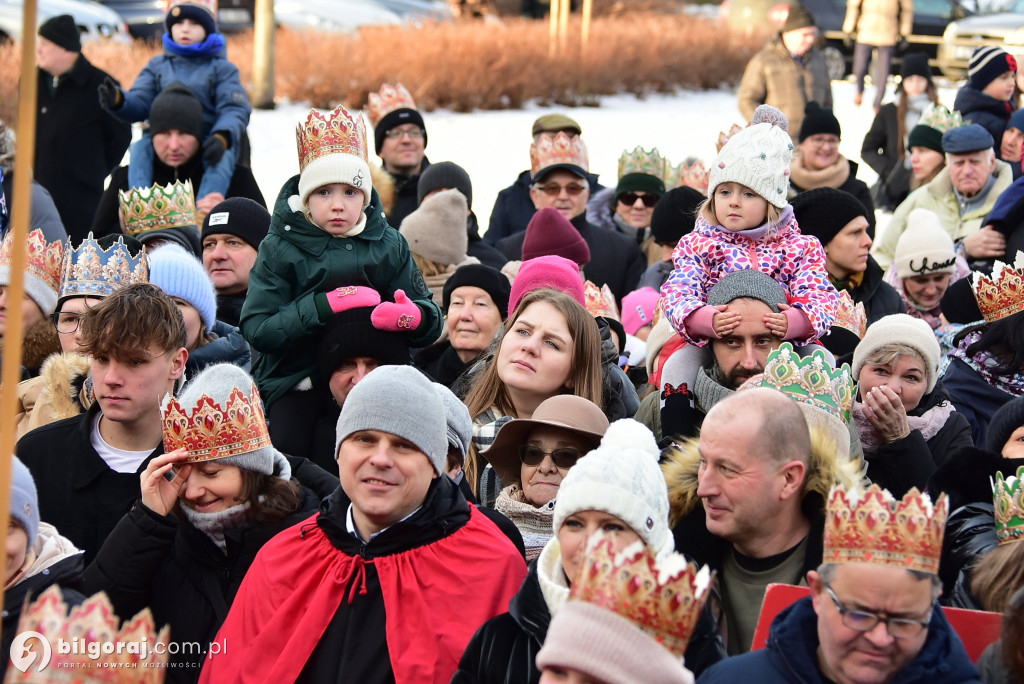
(62, 31)
(196, 13)
(350, 334)
(916, 64)
(823, 212)
(925, 136)
(488, 279)
(444, 175)
(238, 216)
(395, 119)
(988, 63)
(798, 18)
(959, 305)
(818, 119)
(1003, 423)
(176, 107)
(675, 214)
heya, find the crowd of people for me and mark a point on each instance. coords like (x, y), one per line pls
(350, 438)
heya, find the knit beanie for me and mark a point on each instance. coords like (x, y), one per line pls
(548, 232)
(621, 477)
(394, 119)
(797, 18)
(401, 401)
(924, 247)
(1008, 418)
(916, 64)
(1016, 120)
(900, 329)
(186, 237)
(823, 212)
(750, 284)
(62, 32)
(436, 230)
(487, 278)
(341, 162)
(239, 216)
(675, 214)
(818, 119)
(758, 157)
(988, 63)
(554, 272)
(444, 175)
(925, 136)
(966, 139)
(959, 305)
(638, 309)
(194, 11)
(643, 182)
(350, 334)
(180, 274)
(177, 107)
(25, 499)
(459, 424)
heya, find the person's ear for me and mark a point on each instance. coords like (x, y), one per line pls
(178, 363)
(793, 474)
(817, 588)
(534, 196)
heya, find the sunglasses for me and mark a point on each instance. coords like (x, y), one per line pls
(563, 458)
(630, 199)
(554, 189)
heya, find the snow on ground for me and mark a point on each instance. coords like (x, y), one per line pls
(493, 146)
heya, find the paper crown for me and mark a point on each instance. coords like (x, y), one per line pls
(90, 625)
(42, 261)
(338, 132)
(642, 161)
(1001, 294)
(691, 173)
(940, 118)
(1008, 500)
(723, 136)
(91, 271)
(600, 301)
(560, 149)
(871, 526)
(663, 599)
(851, 316)
(211, 431)
(157, 207)
(810, 380)
(390, 98)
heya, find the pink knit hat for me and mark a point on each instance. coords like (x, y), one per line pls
(638, 309)
(551, 233)
(552, 271)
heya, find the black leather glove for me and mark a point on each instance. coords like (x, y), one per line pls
(214, 148)
(110, 95)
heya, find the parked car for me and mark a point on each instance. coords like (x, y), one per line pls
(146, 17)
(339, 16)
(94, 21)
(1005, 29)
(419, 10)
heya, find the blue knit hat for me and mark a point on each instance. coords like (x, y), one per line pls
(24, 500)
(180, 274)
(194, 11)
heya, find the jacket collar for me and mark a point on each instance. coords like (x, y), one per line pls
(91, 465)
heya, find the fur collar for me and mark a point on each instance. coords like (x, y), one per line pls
(384, 184)
(64, 378)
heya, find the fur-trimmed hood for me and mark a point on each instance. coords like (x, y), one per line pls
(384, 184)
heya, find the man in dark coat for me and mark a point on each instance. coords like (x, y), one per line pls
(78, 143)
(400, 140)
(231, 237)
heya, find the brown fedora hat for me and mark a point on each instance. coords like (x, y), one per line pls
(576, 415)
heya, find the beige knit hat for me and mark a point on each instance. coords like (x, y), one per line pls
(900, 329)
(759, 157)
(925, 247)
(437, 229)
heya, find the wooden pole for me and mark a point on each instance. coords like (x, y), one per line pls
(10, 374)
(553, 27)
(563, 26)
(588, 8)
(263, 55)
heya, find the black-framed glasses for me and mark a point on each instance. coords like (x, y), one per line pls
(630, 198)
(863, 621)
(413, 133)
(66, 323)
(563, 458)
(554, 189)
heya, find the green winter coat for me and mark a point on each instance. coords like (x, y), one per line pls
(296, 261)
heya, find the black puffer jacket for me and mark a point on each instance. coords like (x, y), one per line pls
(970, 534)
(985, 110)
(878, 296)
(618, 395)
(228, 346)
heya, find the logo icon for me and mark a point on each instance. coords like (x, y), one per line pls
(22, 656)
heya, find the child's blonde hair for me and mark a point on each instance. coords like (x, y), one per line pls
(707, 210)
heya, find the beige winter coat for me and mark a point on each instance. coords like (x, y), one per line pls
(57, 393)
(879, 22)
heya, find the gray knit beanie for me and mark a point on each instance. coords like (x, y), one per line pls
(747, 283)
(437, 229)
(459, 424)
(444, 175)
(401, 401)
(900, 329)
(24, 500)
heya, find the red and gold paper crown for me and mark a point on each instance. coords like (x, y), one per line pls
(642, 161)
(1001, 294)
(600, 301)
(1008, 499)
(92, 271)
(851, 316)
(91, 626)
(871, 526)
(723, 136)
(43, 260)
(338, 132)
(390, 98)
(211, 431)
(560, 149)
(664, 599)
(690, 173)
(157, 208)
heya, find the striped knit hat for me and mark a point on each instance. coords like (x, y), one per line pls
(987, 63)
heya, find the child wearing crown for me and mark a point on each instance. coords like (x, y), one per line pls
(329, 249)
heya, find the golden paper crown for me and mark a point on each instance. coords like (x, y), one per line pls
(91, 271)
(560, 149)
(940, 118)
(600, 301)
(871, 526)
(43, 260)
(339, 132)
(851, 316)
(156, 207)
(89, 626)
(690, 173)
(1008, 499)
(810, 380)
(211, 431)
(390, 98)
(723, 136)
(642, 161)
(663, 599)
(1001, 294)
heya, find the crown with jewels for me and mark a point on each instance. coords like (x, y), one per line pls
(92, 271)
(691, 173)
(42, 261)
(871, 526)
(390, 98)
(850, 315)
(91, 625)
(940, 118)
(560, 149)
(810, 380)
(157, 207)
(642, 161)
(1001, 294)
(600, 301)
(212, 431)
(664, 599)
(1008, 497)
(338, 132)
(723, 136)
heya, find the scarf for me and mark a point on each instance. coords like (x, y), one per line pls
(210, 47)
(709, 388)
(987, 366)
(534, 522)
(929, 423)
(831, 176)
(554, 585)
(213, 525)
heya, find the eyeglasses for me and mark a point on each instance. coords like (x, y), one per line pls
(823, 140)
(630, 199)
(862, 621)
(66, 323)
(554, 189)
(413, 133)
(563, 458)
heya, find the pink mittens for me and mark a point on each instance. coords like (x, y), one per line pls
(352, 297)
(402, 315)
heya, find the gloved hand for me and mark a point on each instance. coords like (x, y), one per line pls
(849, 39)
(110, 95)
(902, 44)
(402, 315)
(214, 148)
(352, 297)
